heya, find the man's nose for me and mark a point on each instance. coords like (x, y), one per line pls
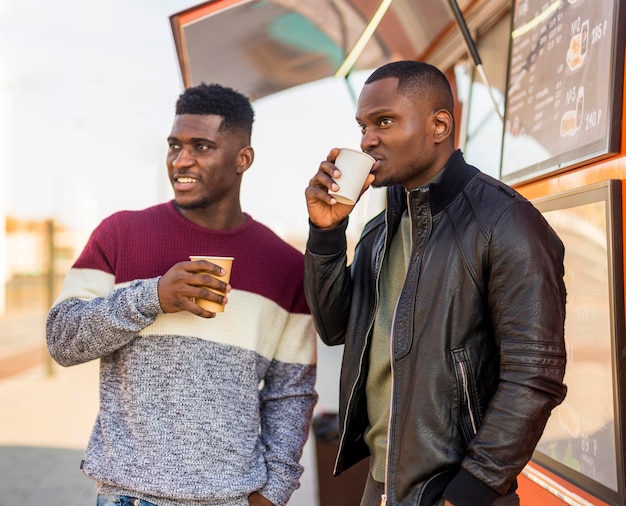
(182, 159)
(368, 140)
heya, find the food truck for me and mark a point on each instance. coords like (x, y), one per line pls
(540, 97)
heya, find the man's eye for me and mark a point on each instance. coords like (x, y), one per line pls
(363, 129)
(386, 122)
(202, 147)
(173, 146)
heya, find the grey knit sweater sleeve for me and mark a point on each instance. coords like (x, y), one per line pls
(81, 330)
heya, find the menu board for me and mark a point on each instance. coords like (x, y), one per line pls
(563, 99)
(584, 438)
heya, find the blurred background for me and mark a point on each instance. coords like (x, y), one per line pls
(87, 92)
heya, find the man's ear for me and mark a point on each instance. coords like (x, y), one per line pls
(245, 157)
(443, 125)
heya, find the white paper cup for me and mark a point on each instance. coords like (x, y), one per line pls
(226, 263)
(354, 166)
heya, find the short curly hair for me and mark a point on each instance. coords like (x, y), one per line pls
(235, 108)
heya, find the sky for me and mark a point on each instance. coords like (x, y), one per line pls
(87, 93)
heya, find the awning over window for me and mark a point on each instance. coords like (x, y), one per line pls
(261, 47)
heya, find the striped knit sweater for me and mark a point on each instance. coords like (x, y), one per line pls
(193, 411)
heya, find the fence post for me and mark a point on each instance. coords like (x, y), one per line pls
(49, 288)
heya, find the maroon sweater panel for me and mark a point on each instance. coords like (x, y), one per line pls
(144, 244)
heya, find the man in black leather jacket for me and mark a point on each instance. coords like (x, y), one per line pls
(451, 312)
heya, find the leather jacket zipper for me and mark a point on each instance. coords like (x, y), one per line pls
(383, 498)
(345, 419)
(470, 408)
(369, 329)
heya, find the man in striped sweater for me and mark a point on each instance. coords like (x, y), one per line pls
(196, 408)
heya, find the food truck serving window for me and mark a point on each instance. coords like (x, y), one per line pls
(564, 87)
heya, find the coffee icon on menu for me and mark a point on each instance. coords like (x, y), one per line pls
(572, 120)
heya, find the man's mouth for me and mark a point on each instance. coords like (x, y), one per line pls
(182, 183)
(185, 180)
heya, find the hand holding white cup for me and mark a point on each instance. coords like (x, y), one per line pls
(224, 262)
(354, 166)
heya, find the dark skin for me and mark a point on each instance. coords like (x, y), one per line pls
(256, 499)
(410, 140)
(205, 168)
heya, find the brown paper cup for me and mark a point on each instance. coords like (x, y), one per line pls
(224, 262)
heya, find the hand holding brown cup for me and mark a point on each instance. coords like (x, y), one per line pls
(226, 264)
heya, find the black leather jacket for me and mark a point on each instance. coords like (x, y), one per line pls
(477, 339)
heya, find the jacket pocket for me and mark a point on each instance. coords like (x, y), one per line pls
(431, 493)
(469, 416)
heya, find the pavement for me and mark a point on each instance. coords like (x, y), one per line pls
(47, 411)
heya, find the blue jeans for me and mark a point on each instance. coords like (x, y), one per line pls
(121, 500)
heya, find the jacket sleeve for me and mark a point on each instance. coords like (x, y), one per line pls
(526, 300)
(327, 282)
